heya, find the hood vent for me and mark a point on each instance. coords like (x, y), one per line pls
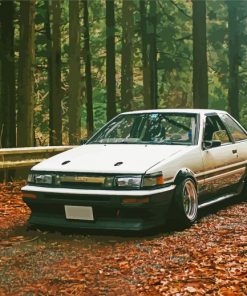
(65, 162)
(118, 163)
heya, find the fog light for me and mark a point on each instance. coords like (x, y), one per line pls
(57, 180)
(109, 182)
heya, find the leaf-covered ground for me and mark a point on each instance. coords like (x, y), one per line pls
(210, 258)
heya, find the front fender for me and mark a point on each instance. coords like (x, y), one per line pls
(185, 173)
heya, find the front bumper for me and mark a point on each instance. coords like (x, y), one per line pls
(109, 212)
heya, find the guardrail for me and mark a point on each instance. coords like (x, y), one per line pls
(14, 158)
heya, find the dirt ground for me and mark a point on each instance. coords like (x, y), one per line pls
(210, 258)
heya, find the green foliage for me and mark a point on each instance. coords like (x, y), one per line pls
(174, 46)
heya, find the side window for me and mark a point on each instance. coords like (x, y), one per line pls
(215, 130)
(236, 131)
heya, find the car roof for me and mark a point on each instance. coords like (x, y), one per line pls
(194, 111)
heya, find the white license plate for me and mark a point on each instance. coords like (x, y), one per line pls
(79, 213)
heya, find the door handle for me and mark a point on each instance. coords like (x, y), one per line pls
(234, 151)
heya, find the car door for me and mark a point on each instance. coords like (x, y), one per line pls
(220, 157)
(239, 136)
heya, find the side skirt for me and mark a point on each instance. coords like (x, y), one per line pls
(216, 200)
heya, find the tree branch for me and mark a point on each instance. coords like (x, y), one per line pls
(180, 9)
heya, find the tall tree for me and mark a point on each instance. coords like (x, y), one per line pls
(87, 57)
(48, 33)
(53, 36)
(25, 131)
(8, 93)
(127, 55)
(145, 56)
(55, 98)
(153, 53)
(74, 74)
(110, 60)
(200, 64)
(234, 58)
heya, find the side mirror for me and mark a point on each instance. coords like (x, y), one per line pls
(211, 144)
(83, 141)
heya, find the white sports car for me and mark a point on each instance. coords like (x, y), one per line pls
(140, 169)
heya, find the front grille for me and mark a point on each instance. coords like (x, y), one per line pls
(82, 185)
(78, 180)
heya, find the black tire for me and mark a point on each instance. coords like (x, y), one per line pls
(185, 204)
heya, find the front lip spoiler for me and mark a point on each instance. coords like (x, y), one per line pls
(29, 188)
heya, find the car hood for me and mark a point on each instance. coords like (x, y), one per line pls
(110, 158)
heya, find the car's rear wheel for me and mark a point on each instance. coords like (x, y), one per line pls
(185, 203)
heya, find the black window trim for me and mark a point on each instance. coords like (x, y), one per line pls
(237, 123)
(211, 114)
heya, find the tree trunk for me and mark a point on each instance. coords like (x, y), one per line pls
(25, 131)
(87, 57)
(145, 59)
(74, 74)
(200, 65)
(153, 54)
(55, 109)
(234, 48)
(48, 33)
(8, 93)
(53, 36)
(1, 97)
(127, 55)
(110, 60)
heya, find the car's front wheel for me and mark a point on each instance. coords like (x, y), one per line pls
(185, 203)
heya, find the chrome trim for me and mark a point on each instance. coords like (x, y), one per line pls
(243, 163)
(211, 202)
(224, 174)
(98, 192)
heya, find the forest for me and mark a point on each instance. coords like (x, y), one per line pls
(66, 67)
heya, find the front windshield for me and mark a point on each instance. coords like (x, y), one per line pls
(149, 128)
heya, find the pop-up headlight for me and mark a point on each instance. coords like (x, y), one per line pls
(129, 181)
(40, 178)
(43, 179)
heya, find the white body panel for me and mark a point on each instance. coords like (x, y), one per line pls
(189, 158)
(137, 159)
